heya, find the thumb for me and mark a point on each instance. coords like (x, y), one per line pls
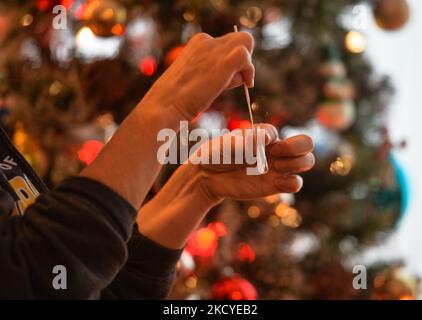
(271, 132)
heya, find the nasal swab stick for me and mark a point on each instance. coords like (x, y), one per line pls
(261, 158)
(248, 97)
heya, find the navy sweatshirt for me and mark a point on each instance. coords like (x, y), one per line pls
(87, 228)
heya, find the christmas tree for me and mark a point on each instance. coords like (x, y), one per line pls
(72, 70)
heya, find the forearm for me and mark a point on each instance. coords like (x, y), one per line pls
(176, 211)
(128, 163)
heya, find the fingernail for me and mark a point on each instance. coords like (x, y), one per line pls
(300, 181)
(267, 138)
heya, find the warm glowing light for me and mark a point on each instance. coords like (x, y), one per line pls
(203, 243)
(191, 282)
(281, 209)
(235, 123)
(273, 199)
(173, 54)
(254, 212)
(341, 167)
(291, 218)
(27, 20)
(236, 295)
(84, 35)
(355, 42)
(379, 281)
(148, 66)
(407, 297)
(246, 253)
(89, 151)
(55, 88)
(43, 5)
(189, 16)
(274, 221)
(205, 238)
(68, 4)
(80, 11)
(118, 29)
(252, 16)
(219, 228)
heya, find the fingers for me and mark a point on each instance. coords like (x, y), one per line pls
(237, 48)
(295, 165)
(248, 75)
(293, 147)
(289, 184)
(271, 132)
(239, 61)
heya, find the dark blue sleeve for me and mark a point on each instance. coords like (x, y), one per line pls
(82, 225)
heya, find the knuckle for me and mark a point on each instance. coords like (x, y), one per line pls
(247, 38)
(200, 37)
(242, 53)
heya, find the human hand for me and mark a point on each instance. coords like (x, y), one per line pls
(285, 158)
(206, 67)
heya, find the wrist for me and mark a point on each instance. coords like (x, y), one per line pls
(163, 108)
(201, 185)
(157, 115)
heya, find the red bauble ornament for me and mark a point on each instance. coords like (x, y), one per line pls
(202, 243)
(219, 228)
(173, 54)
(47, 5)
(148, 66)
(246, 253)
(234, 288)
(89, 151)
(237, 122)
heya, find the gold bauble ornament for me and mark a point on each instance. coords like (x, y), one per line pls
(395, 283)
(391, 15)
(105, 18)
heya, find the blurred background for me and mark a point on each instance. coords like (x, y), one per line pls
(345, 72)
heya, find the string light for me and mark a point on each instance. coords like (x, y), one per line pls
(274, 221)
(245, 253)
(173, 54)
(252, 16)
(191, 282)
(84, 35)
(280, 209)
(273, 199)
(148, 66)
(341, 167)
(355, 42)
(90, 151)
(290, 217)
(55, 88)
(27, 20)
(254, 212)
(189, 16)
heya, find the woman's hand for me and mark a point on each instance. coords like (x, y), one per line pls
(193, 190)
(206, 67)
(285, 159)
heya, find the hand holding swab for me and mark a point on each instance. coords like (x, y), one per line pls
(262, 164)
